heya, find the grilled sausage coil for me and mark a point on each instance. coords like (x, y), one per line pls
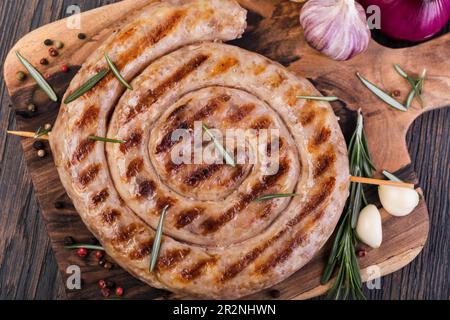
(218, 241)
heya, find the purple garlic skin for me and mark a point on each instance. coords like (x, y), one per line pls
(337, 28)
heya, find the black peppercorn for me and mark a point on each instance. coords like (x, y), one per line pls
(275, 293)
(43, 61)
(108, 265)
(81, 36)
(68, 241)
(110, 285)
(59, 205)
(93, 241)
(38, 145)
(106, 292)
(31, 108)
(48, 42)
(101, 262)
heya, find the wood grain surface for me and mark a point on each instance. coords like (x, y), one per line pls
(28, 271)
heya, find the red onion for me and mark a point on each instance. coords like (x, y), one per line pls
(413, 20)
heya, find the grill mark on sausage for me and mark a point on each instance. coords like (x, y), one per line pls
(155, 35)
(321, 137)
(89, 174)
(146, 188)
(189, 274)
(110, 216)
(127, 232)
(171, 258)
(240, 113)
(100, 197)
(213, 224)
(201, 174)
(261, 123)
(153, 95)
(307, 114)
(144, 249)
(313, 203)
(323, 163)
(134, 167)
(237, 174)
(89, 117)
(187, 217)
(224, 65)
(84, 148)
(258, 69)
(133, 141)
(212, 105)
(163, 202)
(274, 80)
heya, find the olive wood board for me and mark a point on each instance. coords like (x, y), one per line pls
(273, 31)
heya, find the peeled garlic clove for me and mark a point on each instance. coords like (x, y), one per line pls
(398, 201)
(337, 28)
(368, 227)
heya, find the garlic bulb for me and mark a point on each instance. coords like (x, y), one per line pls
(368, 227)
(337, 28)
(398, 201)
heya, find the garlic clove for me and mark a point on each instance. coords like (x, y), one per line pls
(398, 201)
(337, 28)
(368, 227)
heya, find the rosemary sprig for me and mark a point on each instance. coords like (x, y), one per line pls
(343, 256)
(38, 78)
(40, 132)
(228, 158)
(117, 73)
(86, 246)
(157, 242)
(384, 96)
(88, 85)
(319, 98)
(275, 195)
(416, 84)
(97, 138)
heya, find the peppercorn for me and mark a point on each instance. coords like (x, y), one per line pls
(119, 291)
(99, 254)
(106, 292)
(44, 62)
(20, 75)
(68, 241)
(110, 285)
(59, 45)
(53, 52)
(101, 262)
(362, 253)
(48, 75)
(82, 252)
(38, 145)
(275, 293)
(81, 36)
(41, 153)
(48, 42)
(102, 284)
(65, 68)
(396, 93)
(108, 265)
(31, 108)
(47, 126)
(93, 241)
(59, 204)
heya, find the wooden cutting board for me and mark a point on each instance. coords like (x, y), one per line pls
(275, 32)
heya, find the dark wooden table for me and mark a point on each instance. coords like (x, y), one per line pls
(28, 269)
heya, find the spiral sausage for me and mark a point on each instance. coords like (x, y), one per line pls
(218, 242)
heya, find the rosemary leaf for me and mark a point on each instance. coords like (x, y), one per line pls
(96, 138)
(88, 85)
(390, 176)
(157, 241)
(410, 98)
(117, 73)
(40, 132)
(385, 97)
(319, 98)
(38, 78)
(401, 71)
(228, 159)
(275, 195)
(86, 246)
